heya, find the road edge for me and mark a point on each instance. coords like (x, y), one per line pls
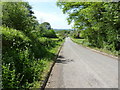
(94, 50)
(50, 70)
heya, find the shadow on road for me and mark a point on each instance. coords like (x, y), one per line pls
(63, 60)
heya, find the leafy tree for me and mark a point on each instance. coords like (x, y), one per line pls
(46, 25)
(97, 21)
(50, 34)
(46, 31)
(18, 15)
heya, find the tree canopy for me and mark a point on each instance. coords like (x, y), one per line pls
(98, 22)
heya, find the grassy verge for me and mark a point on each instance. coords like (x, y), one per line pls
(48, 63)
(85, 43)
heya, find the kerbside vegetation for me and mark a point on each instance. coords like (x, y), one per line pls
(28, 49)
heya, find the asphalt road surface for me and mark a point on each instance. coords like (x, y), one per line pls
(79, 67)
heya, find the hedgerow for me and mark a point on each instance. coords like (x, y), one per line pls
(23, 59)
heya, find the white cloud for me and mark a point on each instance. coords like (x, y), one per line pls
(56, 20)
(46, 16)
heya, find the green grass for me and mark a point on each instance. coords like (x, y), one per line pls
(85, 43)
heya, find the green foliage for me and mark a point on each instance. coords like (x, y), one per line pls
(18, 15)
(97, 22)
(75, 33)
(46, 31)
(50, 34)
(25, 51)
(63, 33)
(23, 58)
(106, 49)
(46, 25)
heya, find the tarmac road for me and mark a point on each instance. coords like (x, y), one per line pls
(79, 67)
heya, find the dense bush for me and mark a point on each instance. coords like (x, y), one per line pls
(23, 59)
(50, 34)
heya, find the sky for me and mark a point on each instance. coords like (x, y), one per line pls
(47, 11)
